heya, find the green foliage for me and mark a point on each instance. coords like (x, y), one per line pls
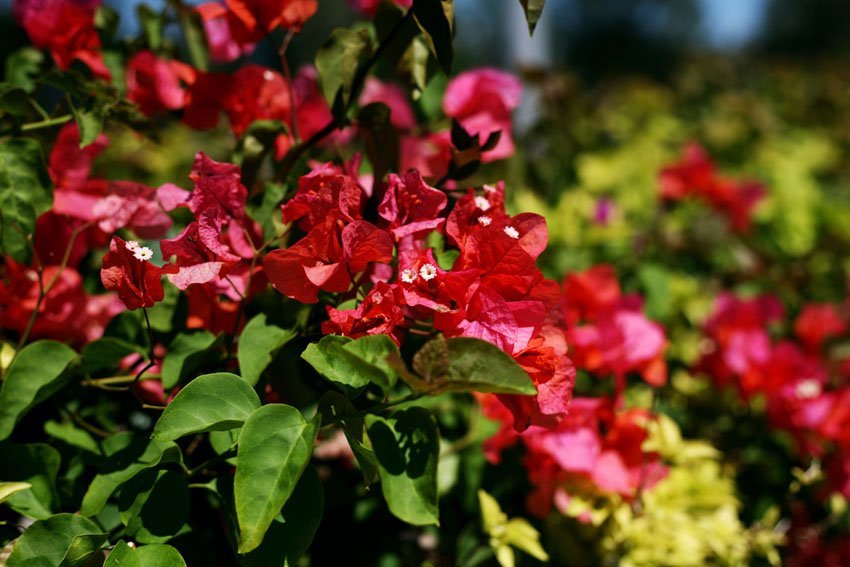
(187, 352)
(274, 448)
(34, 466)
(406, 447)
(338, 62)
(354, 364)
(38, 371)
(214, 402)
(63, 539)
(258, 344)
(25, 193)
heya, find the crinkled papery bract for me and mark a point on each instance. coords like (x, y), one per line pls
(137, 281)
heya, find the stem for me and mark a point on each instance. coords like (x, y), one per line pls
(213, 461)
(381, 407)
(288, 76)
(88, 426)
(50, 122)
(298, 150)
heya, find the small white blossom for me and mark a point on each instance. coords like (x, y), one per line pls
(377, 299)
(482, 203)
(808, 389)
(511, 231)
(143, 253)
(489, 189)
(484, 220)
(408, 275)
(428, 272)
(131, 245)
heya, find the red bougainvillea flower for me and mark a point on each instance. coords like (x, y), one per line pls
(429, 154)
(327, 258)
(128, 271)
(324, 191)
(380, 312)
(156, 85)
(251, 20)
(482, 100)
(256, 93)
(817, 323)
(410, 207)
(695, 176)
(223, 47)
(312, 110)
(67, 312)
(66, 29)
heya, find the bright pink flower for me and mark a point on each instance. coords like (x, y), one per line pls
(411, 207)
(483, 100)
(156, 85)
(223, 47)
(370, 7)
(380, 313)
(251, 20)
(395, 97)
(324, 191)
(429, 154)
(128, 271)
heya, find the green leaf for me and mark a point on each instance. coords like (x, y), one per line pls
(290, 537)
(223, 441)
(156, 555)
(407, 446)
(73, 436)
(267, 212)
(106, 354)
(433, 359)
(354, 363)
(214, 402)
(25, 193)
(335, 408)
(126, 455)
(258, 343)
(151, 23)
(154, 505)
(533, 9)
(196, 40)
(338, 61)
(8, 489)
(478, 366)
(274, 447)
(36, 464)
(22, 66)
(89, 115)
(380, 139)
(185, 354)
(46, 543)
(162, 314)
(40, 369)
(435, 19)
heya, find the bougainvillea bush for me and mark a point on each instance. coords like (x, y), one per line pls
(269, 314)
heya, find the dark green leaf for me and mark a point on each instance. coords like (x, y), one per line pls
(47, 542)
(407, 446)
(432, 360)
(479, 366)
(36, 464)
(435, 18)
(73, 436)
(156, 555)
(258, 343)
(126, 455)
(25, 193)
(154, 505)
(287, 540)
(22, 66)
(196, 39)
(106, 354)
(151, 23)
(533, 9)
(335, 408)
(214, 402)
(40, 369)
(267, 212)
(186, 353)
(89, 115)
(274, 447)
(381, 139)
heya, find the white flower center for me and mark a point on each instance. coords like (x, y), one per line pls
(511, 231)
(489, 189)
(131, 245)
(482, 203)
(428, 272)
(377, 298)
(484, 220)
(143, 253)
(408, 275)
(808, 389)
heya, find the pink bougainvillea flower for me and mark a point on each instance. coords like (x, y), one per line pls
(323, 191)
(370, 7)
(483, 101)
(157, 85)
(223, 47)
(66, 29)
(205, 99)
(251, 20)
(429, 154)
(128, 271)
(395, 97)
